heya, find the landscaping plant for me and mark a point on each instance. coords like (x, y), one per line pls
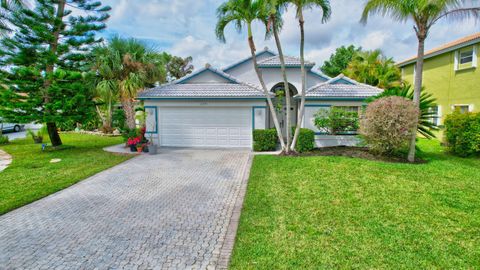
(37, 136)
(337, 121)
(306, 140)
(387, 124)
(265, 140)
(424, 14)
(47, 56)
(462, 133)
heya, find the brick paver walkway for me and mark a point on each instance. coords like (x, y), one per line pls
(152, 212)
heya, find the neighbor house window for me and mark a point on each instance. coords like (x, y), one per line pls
(466, 58)
(461, 108)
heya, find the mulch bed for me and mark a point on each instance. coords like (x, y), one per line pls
(358, 152)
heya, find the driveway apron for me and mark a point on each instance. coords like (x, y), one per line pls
(168, 211)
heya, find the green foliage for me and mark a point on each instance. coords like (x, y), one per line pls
(462, 133)
(339, 61)
(47, 56)
(337, 121)
(265, 140)
(37, 136)
(373, 68)
(306, 140)
(119, 119)
(177, 67)
(387, 125)
(426, 126)
(3, 139)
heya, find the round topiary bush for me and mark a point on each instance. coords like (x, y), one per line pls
(387, 124)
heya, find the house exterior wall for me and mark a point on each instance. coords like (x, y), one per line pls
(207, 77)
(449, 86)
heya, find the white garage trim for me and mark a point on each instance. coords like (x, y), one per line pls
(205, 126)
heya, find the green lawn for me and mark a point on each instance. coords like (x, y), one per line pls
(31, 176)
(343, 213)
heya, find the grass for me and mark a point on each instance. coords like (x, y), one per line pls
(344, 213)
(31, 176)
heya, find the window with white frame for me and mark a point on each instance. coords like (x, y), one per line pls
(461, 108)
(466, 58)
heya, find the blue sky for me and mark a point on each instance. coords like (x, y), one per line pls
(186, 28)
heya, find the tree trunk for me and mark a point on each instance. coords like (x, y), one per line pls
(301, 110)
(417, 92)
(251, 43)
(129, 109)
(53, 134)
(285, 82)
(53, 46)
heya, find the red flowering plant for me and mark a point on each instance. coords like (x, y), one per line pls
(133, 141)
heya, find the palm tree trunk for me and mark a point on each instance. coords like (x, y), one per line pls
(251, 43)
(301, 110)
(129, 109)
(285, 82)
(417, 93)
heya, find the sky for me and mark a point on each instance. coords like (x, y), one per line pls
(186, 28)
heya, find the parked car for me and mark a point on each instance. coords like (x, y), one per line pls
(11, 126)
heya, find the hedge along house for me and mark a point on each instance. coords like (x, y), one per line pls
(221, 107)
(450, 75)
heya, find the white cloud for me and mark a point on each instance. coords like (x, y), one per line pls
(186, 28)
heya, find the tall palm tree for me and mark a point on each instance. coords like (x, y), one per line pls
(243, 13)
(300, 5)
(6, 7)
(274, 8)
(126, 66)
(424, 14)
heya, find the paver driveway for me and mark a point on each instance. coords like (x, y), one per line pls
(152, 212)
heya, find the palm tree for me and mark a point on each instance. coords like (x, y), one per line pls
(126, 66)
(300, 5)
(373, 68)
(6, 7)
(424, 13)
(243, 13)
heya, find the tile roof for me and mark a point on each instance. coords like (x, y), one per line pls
(465, 41)
(335, 89)
(290, 61)
(207, 90)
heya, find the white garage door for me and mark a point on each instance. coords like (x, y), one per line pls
(206, 126)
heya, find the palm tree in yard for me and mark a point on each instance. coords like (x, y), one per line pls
(125, 67)
(243, 13)
(299, 6)
(424, 14)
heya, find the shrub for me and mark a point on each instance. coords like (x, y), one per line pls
(387, 124)
(265, 140)
(336, 121)
(306, 140)
(462, 133)
(3, 139)
(37, 136)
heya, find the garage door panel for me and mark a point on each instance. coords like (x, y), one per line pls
(210, 127)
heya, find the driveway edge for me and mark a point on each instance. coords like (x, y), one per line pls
(229, 242)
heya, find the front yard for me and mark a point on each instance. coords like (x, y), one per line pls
(337, 212)
(31, 176)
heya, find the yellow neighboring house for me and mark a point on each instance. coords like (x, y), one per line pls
(451, 75)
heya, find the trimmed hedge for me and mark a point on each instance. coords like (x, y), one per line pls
(265, 140)
(306, 140)
(462, 133)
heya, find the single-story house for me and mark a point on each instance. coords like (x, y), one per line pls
(221, 107)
